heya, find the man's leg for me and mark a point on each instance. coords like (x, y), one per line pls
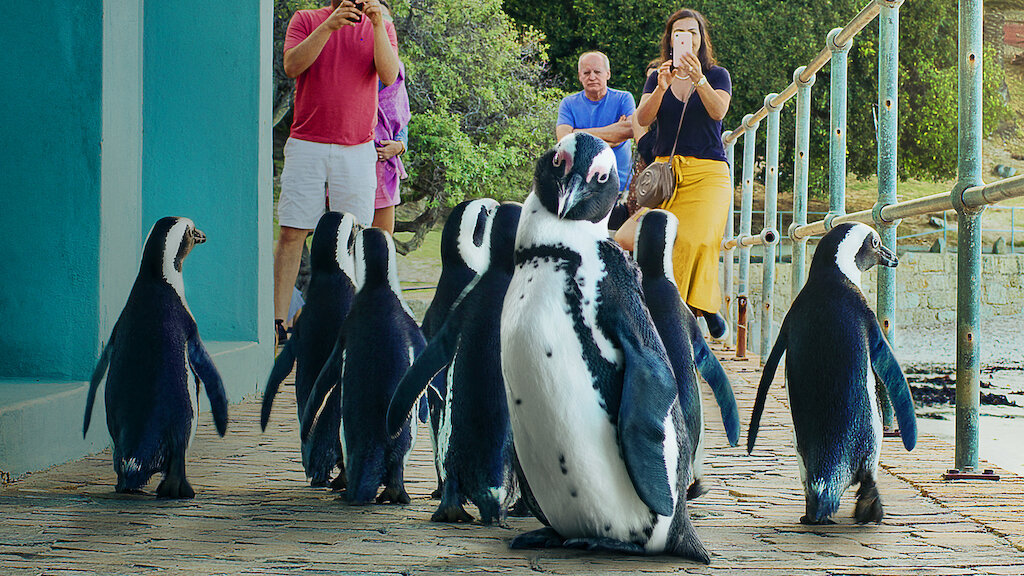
(287, 255)
(352, 180)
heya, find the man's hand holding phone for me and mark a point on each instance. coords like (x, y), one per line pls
(348, 13)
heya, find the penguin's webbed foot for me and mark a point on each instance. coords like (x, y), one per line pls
(318, 482)
(808, 521)
(520, 509)
(869, 504)
(175, 488)
(451, 513)
(545, 537)
(340, 482)
(437, 492)
(393, 495)
(696, 490)
(601, 544)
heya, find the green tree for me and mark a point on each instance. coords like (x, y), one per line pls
(481, 109)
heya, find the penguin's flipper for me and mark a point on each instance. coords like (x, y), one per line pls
(202, 366)
(770, 366)
(433, 359)
(648, 391)
(283, 365)
(328, 379)
(97, 375)
(711, 370)
(888, 370)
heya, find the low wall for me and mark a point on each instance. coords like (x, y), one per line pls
(925, 288)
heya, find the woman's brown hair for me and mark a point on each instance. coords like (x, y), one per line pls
(706, 52)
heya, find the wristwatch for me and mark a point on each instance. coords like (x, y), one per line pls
(703, 81)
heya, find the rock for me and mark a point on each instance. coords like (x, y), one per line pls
(999, 246)
(938, 247)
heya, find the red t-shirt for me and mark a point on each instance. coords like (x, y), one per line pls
(336, 97)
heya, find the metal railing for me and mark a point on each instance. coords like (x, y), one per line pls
(968, 197)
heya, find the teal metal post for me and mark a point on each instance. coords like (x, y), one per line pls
(729, 254)
(800, 163)
(968, 317)
(837, 126)
(746, 207)
(888, 122)
(771, 192)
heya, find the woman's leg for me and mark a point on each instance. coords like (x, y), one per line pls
(384, 218)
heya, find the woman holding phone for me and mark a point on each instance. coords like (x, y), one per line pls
(689, 77)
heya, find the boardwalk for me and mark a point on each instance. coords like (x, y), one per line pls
(254, 514)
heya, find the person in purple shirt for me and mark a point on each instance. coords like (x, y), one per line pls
(599, 110)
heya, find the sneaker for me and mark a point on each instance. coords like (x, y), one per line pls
(280, 332)
(717, 325)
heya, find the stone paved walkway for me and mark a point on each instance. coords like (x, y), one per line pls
(254, 514)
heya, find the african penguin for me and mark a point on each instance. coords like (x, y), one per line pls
(378, 342)
(687, 350)
(601, 441)
(156, 361)
(475, 442)
(833, 343)
(464, 254)
(314, 333)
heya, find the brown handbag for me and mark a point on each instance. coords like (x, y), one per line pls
(657, 182)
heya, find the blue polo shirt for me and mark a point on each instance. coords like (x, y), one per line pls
(578, 111)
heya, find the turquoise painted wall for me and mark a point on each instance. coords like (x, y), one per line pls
(201, 118)
(50, 182)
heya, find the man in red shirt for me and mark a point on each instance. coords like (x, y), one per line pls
(337, 54)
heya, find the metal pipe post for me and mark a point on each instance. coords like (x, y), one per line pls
(746, 207)
(803, 140)
(729, 254)
(837, 126)
(968, 306)
(771, 191)
(888, 123)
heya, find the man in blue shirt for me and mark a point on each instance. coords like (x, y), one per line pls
(599, 110)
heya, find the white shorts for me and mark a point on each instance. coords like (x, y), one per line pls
(313, 168)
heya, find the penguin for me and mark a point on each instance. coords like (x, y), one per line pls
(655, 237)
(328, 298)
(156, 361)
(464, 254)
(833, 343)
(474, 446)
(596, 422)
(378, 342)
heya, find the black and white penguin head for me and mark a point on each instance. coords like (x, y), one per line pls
(465, 234)
(503, 226)
(333, 240)
(853, 248)
(577, 180)
(169, 242)
(374, 258)
(654, 241)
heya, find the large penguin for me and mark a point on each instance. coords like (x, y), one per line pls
(474, 448)
(681, 335)
(328, 299)
(156, 361)
(833, 343)
(600, 437)
(378, 343)
(464, 254)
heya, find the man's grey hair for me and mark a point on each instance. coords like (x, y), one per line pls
(607, 63)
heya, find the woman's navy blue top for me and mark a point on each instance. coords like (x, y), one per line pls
(700, 136)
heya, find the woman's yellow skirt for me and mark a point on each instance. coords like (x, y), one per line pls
(701, 203)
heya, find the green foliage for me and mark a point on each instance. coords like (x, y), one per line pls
(481, 111)
(761, 42)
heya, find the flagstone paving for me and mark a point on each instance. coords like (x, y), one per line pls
(254, 514)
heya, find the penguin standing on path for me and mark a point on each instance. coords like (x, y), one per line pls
(600, 437)
(464, 254)
(474, 447)
(679, 331)
(328, 299)
(156, 361)
(833, 343)
(378, 343)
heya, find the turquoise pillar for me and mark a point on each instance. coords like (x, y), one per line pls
(837, 126)
(771, 191)
(800, 170)
(746, 208)
(729, 254)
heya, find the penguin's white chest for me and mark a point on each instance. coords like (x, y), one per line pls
(565, 441)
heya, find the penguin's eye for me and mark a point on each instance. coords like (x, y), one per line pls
(602, 178)
(874, 241)
(557, 160)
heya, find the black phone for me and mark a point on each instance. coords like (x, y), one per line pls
(359, 6)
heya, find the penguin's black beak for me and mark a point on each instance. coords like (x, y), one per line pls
(887, 257)
(571, 195)
(198, 237)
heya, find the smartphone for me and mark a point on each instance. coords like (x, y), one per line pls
(682, 43)
(359, 6)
